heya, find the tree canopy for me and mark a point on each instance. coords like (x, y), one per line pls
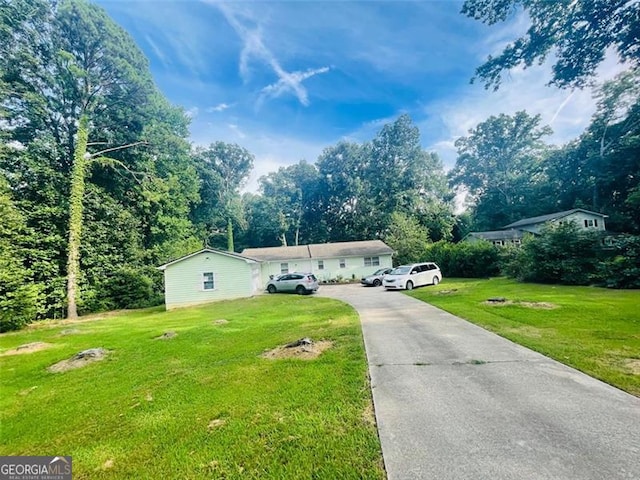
(576, 33)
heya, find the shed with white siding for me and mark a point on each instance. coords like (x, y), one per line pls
(210, 275)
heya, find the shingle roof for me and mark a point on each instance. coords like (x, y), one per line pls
(320, 250)
(209, 250)
(551, 216)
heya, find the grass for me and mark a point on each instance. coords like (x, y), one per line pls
(201, 405)
(594, 330)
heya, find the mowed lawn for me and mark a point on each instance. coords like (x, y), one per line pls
(594, 330)
(204, 404)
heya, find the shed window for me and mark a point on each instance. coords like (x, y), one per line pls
(343, 263)
(284, 268)
(207, 281)
(371, 261)
(320, 264)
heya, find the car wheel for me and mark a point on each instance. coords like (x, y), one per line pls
(436, 281)
(300, 290)
(377, 283)
(409, 285)
(271, 289)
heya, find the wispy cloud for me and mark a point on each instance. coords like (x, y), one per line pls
(567, 112)
(192, 112)
(255, 49)
(221, 107)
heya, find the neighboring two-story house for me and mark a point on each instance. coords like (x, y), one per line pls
(513, 233)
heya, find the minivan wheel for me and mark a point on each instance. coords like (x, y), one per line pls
(271, 289)
(436, 281)
(377, 283)
(300, 290)
(409, 285)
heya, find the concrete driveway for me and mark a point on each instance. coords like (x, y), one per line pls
(454, 401)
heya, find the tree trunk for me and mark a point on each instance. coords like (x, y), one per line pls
(78, 173)
(230, 246)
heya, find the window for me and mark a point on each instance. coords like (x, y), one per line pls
(371, 261)
(595, 222)
(343, 263)
(320, 264)
(207, 281)
(284, 268)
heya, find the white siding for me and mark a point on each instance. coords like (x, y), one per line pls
(354, 267)
(184, 281)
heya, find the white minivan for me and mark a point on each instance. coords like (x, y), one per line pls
(414, 275)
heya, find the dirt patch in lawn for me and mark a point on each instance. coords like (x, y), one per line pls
(304, 349)
(633, 364)
(167, 336)
(220, 321)
(27, 348)
(500, 302)
(79, 360)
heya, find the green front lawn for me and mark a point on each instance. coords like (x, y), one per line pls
(201, 405)
(595, 330)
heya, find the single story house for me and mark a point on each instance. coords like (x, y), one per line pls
(327, 261)
(210, 274)
(513, 233)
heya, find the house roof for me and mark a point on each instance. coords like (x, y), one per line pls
(320, 250)
(210, 250)
(551, 216)
(498, 235)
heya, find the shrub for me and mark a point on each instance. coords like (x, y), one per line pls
(465, 259)
(622, 270)
(18, 301)
(130, 287)
(560, 254)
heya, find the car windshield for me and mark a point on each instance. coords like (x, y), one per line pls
(380, 271)
(400, 270)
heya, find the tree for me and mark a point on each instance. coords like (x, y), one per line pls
(294, 191)
(223, 169)
(408, 238)
(343, 192)
(74, 87)
(499, 162)
(577, 33)
(19, 296)
(402, 177)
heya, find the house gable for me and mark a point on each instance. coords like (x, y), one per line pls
(209, 275)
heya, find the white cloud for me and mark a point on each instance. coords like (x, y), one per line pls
(221, 107)
(236, 130)
(192, 112)
(567, 112)
(255, 49)
(158, 52)
(271, 150)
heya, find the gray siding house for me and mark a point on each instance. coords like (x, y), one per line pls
(209, 275)
(513, 233)
(327, 261)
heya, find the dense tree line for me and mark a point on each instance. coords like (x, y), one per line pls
(100, 184)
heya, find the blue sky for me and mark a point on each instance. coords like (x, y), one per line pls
(287, 79)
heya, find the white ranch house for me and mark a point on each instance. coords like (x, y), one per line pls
(327, 261)
(210, 274)
(513, 233)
